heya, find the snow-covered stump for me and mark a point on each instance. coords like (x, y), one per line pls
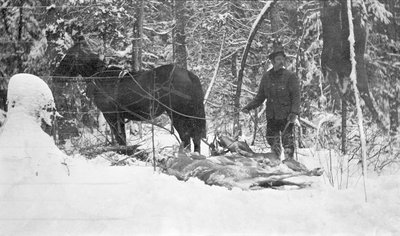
(26, 151)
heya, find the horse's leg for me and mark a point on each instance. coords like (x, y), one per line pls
(196, 141)
(121, 137)
(183, 127)
(117, 127)
(188, 129)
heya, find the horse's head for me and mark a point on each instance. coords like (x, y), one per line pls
(79, 60)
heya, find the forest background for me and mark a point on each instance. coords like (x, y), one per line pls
(210, 38)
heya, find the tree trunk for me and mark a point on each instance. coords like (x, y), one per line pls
(394, 114)
(253, 74)
(20, 46)
(238, 14)
(394, 96)
(344, 124)
(210, 86)
(256, 25)
(137, 36)
(180, 54)
(233, 65)
(276, 21)
(335, 54)
(392, 30)
(137, 45)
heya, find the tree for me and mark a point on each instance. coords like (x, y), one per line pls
(138, 37)
(353, 78)
(180, 54)
(19, 30)
(335, 55)
(335, 58)
(20, 41)
(275, 18)
(393, 32)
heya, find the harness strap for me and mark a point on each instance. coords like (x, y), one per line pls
(177, 93)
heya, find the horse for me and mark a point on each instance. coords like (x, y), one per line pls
(139, 96)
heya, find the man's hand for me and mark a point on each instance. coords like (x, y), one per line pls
(244, 110)
(292, 118)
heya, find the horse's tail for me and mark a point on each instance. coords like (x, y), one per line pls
(197, 98)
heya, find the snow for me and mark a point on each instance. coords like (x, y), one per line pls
(25, 150)
(30, 95)
(98, 199)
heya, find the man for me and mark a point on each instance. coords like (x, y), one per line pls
(281, 89)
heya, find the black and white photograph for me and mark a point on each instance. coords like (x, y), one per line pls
(199, 118)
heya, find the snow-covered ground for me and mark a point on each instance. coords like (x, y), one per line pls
(98, 199)
(134, 200)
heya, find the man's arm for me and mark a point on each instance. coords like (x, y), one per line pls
(259, 98)
(294, 89)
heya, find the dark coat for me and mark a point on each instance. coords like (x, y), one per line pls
(281, 89)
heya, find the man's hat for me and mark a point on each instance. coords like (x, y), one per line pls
(277, 49)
